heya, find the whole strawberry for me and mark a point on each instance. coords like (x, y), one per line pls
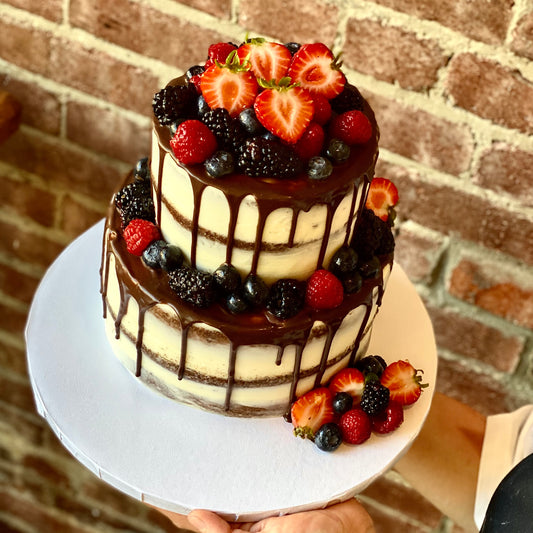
(138, 234)
(351, 127)
(193, 142)
(324, 290)
(356, 426)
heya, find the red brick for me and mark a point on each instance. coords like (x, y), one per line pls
(392, 54)
(26, 246)
(108, 132)
(218, 8)
(13, 358)
(478, 19)
(481, 391)
(41, 109)
(26, 47)
(495, 288)
(29, 428)
(403, 499)
(60, 165)
(305, 21)
(13, 320)
(454, 211)
(507, 169)
(468, 337)
(51, 9)
(43, 468)
(522, 42)
(16, 393)
(10, 528)
(160, 35)
(17, 284)
(491, 91)
(423, 137)
(418, 254)
(77, 217)
(23, 199)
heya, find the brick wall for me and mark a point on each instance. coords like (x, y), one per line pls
(452, 86)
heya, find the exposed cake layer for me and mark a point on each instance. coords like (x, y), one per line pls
(247, 365)
(270, 227)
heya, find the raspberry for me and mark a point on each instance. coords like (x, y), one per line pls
(356, 426)
(351, 127)
(389, 419)
(193, 142)
(310, 143)
(139, 234)
(324, 290)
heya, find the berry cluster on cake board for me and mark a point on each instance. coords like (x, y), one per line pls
(244, 262)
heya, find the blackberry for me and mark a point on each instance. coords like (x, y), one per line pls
(260, 157)
(375, 397)
(328, 437)
(371, 364)
(367, 235)
(227, 130)
(386, 242)
(174, 102)
(135, 201)
(195, 287)
(350, 98)
(286, 298)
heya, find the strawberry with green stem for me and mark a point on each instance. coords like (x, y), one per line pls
(403, 381)
(269, 61)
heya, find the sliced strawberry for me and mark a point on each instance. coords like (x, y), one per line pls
(284, 109)
(231, 86)
(316, 69)
(268, 60)
(403, 381)
(311, 411)
(348, 380)
(382, 197)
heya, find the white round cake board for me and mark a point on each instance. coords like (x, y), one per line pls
(180, 458)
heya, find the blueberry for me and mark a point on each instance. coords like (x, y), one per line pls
(255, 290)
(236, 304)
(220, 164)
(328, 437)
(351, 282)
(171, 257)
(342, 402)
(371, 364)
(370, 268)
(202, 106)
(194, 71)
(249, 122)
(142, 169)
(227, 277)
(338, 151)
(344, 260)
(319, 168)
(293, 47)
(152, 254)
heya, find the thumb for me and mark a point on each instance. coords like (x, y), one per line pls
(208, 522)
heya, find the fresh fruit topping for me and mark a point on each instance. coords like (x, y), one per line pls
(382, 197)
(311, 411)
(171, 257)
(151, 255)
(352, 282)
(260, 157)
(344, 260)
(375, 396)
(350, 98)
(268, 60)
(220, 164)
(348, 380)
(371, 364)
(370, 268)
(328, 437)
(311, 142)
(255, 290)
(218, 53)
(284, 109)
(286, 298)
(319, 168)
(389, 419)
(236, 304)
(173, 102)
(227, 277)
(141, 171)
(227, 130)
(338, 151)
(324, 290)
(193, 286)
(230, 85)
(342, 402)
(316, 69)
(373, 236)
(193, 142)
(356, 426)
(135, 201)
(138, 234)
(322, 109)
(249, 122)
(352, 127)
(403, 381)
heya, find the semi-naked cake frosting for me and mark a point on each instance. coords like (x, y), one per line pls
(309, 259)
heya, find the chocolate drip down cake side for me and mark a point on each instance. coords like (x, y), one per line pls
(244, 262)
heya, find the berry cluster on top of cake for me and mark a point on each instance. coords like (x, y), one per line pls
(244, 261)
